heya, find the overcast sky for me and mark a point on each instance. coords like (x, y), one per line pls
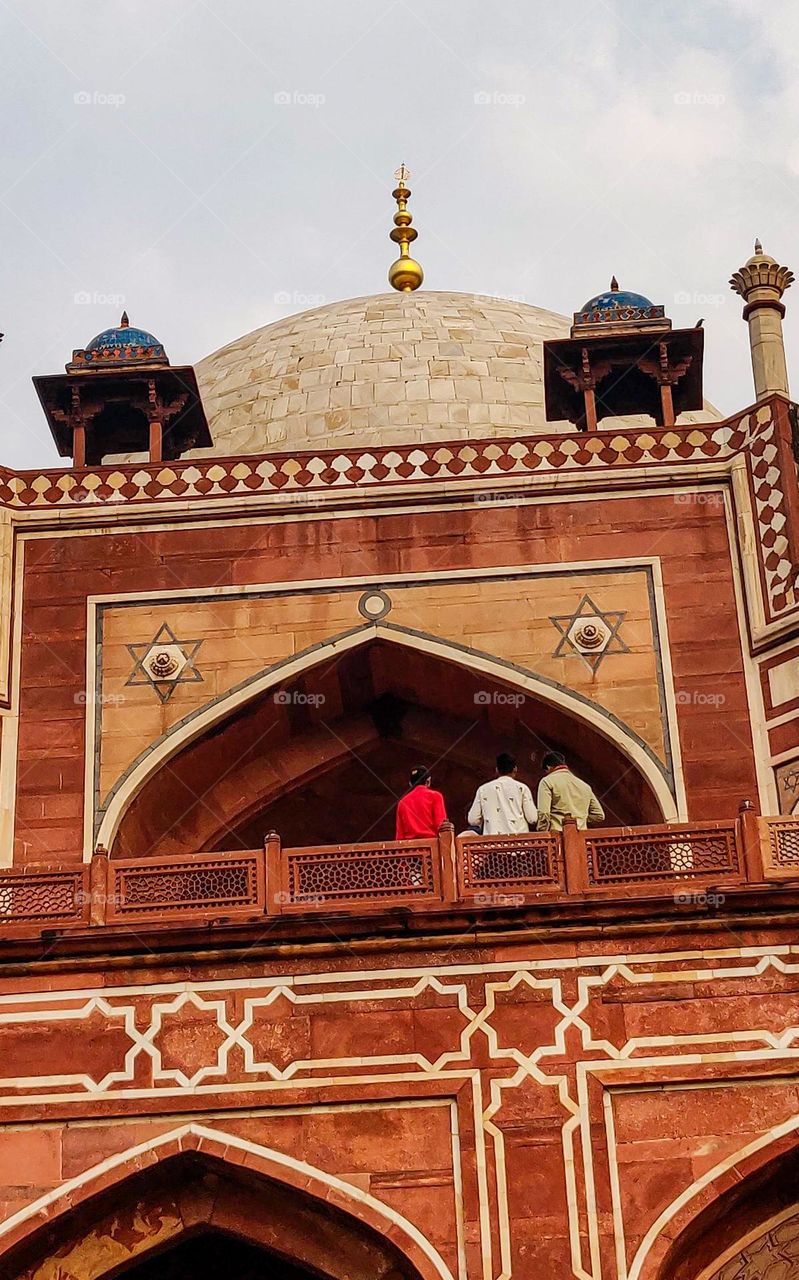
(212, 165)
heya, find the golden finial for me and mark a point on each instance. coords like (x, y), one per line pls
(405, 274)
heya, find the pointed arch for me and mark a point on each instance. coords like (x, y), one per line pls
(657, 1254)
(397, 1248)
(659, 777)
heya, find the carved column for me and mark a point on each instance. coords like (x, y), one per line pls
(761, 283)
(667, 375)
(155, 419)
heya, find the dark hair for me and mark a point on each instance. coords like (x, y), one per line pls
(553, 759)
(506, 763)
(419, 775)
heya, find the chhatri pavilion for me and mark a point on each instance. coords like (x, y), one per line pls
(247, 1032)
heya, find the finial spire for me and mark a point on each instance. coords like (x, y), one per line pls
(758, 247)
(124, 322)
(614, 285)
(405, 274)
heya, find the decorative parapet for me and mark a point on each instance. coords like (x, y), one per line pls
(347, 471)
(686, 864)
(44, 897)
(781, 848)
(207, 885)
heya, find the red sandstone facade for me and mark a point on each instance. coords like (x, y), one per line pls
(233, 1009)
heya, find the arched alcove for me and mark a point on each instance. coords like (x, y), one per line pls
(749, 1232)
(210, 1255)
(323, 756)
(218, 1197)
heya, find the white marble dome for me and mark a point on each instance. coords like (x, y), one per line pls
(389, 368)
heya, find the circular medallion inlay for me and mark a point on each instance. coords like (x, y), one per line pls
(374, 605)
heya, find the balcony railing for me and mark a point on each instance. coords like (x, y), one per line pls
(689, 862)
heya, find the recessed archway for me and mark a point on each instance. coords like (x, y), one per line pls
(141, 1205)
(209, 1255)
(242, 766)
(748, 1232)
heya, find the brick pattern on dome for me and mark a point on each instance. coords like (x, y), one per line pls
(427, 367)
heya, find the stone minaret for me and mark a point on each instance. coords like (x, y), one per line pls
(761, 283)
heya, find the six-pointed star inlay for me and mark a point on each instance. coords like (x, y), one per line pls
(589, 633)
(164, 662)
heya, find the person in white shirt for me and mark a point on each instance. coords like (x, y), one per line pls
(504, 806)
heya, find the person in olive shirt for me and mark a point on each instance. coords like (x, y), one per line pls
(562, 795)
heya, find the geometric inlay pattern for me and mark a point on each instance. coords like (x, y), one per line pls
(590, 633)
(787, 776)
(774, 1256)
(521, 1053)
(164, 662)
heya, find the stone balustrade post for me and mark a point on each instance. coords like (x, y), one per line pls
(749, 842)
(446, 856)
(275, 891)
(574, 857)
(98, 886)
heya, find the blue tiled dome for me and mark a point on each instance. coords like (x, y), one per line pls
(112, 340)
(122, 345)
(616, 298)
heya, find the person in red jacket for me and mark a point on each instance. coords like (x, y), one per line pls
(421, 810)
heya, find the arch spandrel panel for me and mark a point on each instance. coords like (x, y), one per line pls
(593, 634)
(129, 1210)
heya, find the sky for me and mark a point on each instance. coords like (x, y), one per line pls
(213, 165)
